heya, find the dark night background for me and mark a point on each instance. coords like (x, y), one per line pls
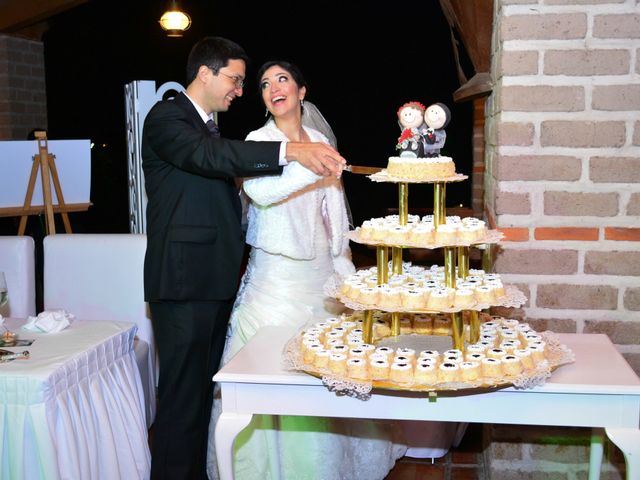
(360, 68)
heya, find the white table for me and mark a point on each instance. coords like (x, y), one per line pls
(599, 390)
(74, 409)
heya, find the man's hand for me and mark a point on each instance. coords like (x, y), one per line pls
(320, 158)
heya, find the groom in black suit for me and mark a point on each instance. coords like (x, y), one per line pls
(195, 242)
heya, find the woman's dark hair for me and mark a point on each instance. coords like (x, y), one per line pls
(215, 53)
(293, 69)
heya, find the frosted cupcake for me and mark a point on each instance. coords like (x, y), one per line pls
(448, 372)
(388, 352)
(423, 324)
(338, 364)
(422, 234)
(464, 298)
(432, 355)
(321, 359)
(401, 372)
(525, 358)
(309, 354)
(511, 365)
(441, 325)
(379, 369)
(470, 371)
(491, 368)
(357, 368)
(426, 372)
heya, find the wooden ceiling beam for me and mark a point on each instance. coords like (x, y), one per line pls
(18, 15)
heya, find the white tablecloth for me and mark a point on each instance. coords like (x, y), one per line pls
(75, 408)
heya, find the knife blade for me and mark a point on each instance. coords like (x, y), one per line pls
(361, 170)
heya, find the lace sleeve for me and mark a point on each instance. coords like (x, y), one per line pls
(272, 189)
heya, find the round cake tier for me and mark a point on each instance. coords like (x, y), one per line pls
(382, 176)
(509, 353)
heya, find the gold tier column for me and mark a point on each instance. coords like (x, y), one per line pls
(396, 252)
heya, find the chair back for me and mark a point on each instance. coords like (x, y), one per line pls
(17, 261)
(98, 277)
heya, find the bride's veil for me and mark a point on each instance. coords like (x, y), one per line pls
(311, 117)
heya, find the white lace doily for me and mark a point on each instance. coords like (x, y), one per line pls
(556, 354)
(492, 236)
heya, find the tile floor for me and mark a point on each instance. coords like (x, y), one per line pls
(464, 462)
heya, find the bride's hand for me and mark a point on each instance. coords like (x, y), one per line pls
(320, 158)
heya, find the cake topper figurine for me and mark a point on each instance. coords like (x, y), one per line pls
(436, 117)
(410, 118)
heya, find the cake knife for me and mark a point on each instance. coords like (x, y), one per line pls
(361, 170)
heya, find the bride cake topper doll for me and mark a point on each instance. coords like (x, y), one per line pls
(410, 118)
(436, 118)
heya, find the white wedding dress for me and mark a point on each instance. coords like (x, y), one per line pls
(277, 289)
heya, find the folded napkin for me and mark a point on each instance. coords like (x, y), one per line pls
(49, 321)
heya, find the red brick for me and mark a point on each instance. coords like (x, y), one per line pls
(581, 134)
(633, 207)
(539, 167)
(580, 204)
(612, 263)
(636, 125)
(616, 26)
(513, 133)
(624, 234)
(620, 333)
(631, 299)
(586, 62)
(579, 297)
(515, 234)
(537, 26)
(512, 203)
(543, 98)
(522, 62)
(615, 169)
(616, 97)
(537, 262)
(566, 233)
(557, 325)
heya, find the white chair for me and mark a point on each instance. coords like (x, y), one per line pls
(100, 277)
(17, 261)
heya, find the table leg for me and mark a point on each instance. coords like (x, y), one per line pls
(595, 453)
(227, 428)
(628, 440)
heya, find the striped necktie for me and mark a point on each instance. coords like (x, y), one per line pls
(213, 128)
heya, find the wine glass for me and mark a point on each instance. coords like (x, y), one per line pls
(4, 293)
(8, 336)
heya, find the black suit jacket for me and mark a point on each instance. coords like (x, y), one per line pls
(194, 238)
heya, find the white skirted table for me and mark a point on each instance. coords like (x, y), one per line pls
(599, 390)
(75, 408)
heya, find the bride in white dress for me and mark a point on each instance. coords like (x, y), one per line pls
(297, 227)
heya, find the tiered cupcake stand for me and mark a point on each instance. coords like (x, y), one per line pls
(456, 262)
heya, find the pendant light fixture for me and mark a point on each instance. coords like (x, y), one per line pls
(174, 21)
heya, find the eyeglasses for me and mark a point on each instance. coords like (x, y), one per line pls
(239, 81)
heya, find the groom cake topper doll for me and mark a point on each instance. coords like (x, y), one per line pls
(436, 118)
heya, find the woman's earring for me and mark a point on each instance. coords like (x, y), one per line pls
(302, 104)
(266, 112)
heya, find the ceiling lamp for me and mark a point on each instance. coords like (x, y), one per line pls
(174, 21)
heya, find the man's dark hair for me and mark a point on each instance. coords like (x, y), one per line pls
(215, 53)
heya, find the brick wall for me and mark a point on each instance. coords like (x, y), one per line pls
(23, 100)
(563, 183)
